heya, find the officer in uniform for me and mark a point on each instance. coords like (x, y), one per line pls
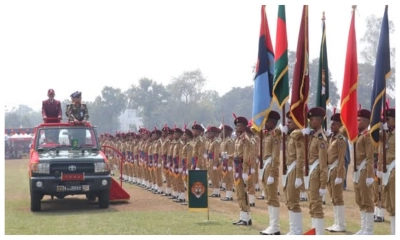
(214, 149)
(363, 177)
(78, 113)
(174, 194)
(336, 173)
(241, 157)
(250, 166)
(186, 154)
(270, 172)
(177, 166)
(198, 161)
(227, 149)
(51, 108)
(317, 177)
(157, 144)
(165, 143)
(294, 175)
(388, 178)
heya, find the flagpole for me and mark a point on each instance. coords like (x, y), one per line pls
(284, 167)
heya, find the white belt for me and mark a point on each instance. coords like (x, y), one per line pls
(311, 169)
(289, 169)
(265, 164)
(360, 167)
(331, 167)
(386, 175)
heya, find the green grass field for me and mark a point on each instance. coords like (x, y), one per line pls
(144, 214)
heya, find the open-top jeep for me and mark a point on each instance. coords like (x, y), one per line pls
(66, 159)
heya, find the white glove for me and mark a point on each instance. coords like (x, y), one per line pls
(224, 155)
(214, 168)
(298, 183)
(187, 172)
(159, 165)
(229, 169)
(384, 126)
(338, 181)
(257, 161)
(180, 169)
(379, 174)
(328, 132)
(322, 192)
(167, 165)
(306, 131)
(197, 168)
(284, 129)
(252, 170)
(245, 176)
(270, 180)
(205, 155)
(369, 181)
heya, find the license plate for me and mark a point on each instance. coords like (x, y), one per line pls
(72, 176)
(83, 188)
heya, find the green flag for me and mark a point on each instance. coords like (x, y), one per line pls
(281, 76)
(198, 191)
(323, 74)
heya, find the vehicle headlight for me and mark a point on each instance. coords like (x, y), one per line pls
(40, 168)
(101, 167)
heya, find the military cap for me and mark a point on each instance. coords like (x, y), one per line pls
(336, 117)
(214, 130)
(364, 113)
(274, 115)
(288, 115)
(165, 128)
(51, 91)
(197, 127)
(171, 131)
(316, 112)
(391, 112)
(76, 94)
(227, 128)
(188, 132)
(156, 131)
(123, 135)
(240, 120)
(178, 130)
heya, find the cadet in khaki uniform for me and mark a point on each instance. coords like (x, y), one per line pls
(388, 178)
(198, 162)
(174, 194)
(241, 157)
(165, 144)
(318, 170)
(250, 166)
(141, 157)
(363, 178)
(227, 149)
(214, 149)
(295, 172)
(187, 151)
(379, 210)
(336, 170)
(157, 152)
(270, 172)
(177, 166)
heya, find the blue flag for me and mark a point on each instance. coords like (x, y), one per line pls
(382, 72)
(264, 76)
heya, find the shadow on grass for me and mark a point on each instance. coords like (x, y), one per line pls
(209, 222)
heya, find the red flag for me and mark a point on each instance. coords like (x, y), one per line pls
(310, 232)
(300, 87)
(349, 102)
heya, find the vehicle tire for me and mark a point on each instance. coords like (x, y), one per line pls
(104, 199)
(36, 197)
(90, 196)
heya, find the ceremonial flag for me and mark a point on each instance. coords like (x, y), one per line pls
(301, 82)
(323, 74)
(281, 77)
(263, 79)
(382, 72)
(198, 191)
(348, 99)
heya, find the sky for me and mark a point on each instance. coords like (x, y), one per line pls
(85, 45)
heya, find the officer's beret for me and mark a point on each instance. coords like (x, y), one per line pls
(274, 115)
(242, 120)
(50, 91)
(391, 112)
(188, 132)
(76, 94)
(336, 117)
(214, 130)
(123, 135)
(227, 128)
(178, 130)
(364, 113)
(171, 131)
(197, 127)
(316, 112)
(156, 131)
(165, 128)
(118, 135)
(288, 115)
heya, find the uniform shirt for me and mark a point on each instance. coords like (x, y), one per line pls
(214, 149)
(317, 150)
(187, 151)
(79, 112)
(365, 150)
(242, 151)
(295, 151)
(272, 148)
(228, 145)
(156, 150)
(198, 150)
(337, 151)
(176, 153)
(390, 146)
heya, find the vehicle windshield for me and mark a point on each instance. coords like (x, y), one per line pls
(68, 137)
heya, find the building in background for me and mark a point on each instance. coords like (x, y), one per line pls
(130, 121)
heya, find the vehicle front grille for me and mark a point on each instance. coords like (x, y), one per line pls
(71, 167)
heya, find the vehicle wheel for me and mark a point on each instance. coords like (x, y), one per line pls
(104, 199)
(36, 197)
(90, 196)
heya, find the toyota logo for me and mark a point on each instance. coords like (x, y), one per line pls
(72, 168)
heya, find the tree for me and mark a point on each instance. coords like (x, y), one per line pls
(237, 100)
(23, 116)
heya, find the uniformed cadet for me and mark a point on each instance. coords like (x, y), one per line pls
(129, 147)
(135, 153)
(292, 180)
(317, 177)
(388, 177)
(140, 150)
(213, 150)
(336, 173)
(165, 144)
(124, 161)
(270, 172)
(174, 194)
(147, 160)
(157, 152)
(179, 187)
(240, 157)
(363, 177)
(227, 149)
(250, 166)
(68, 105)
(187, 151)
(198, 161)
(379, 210)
